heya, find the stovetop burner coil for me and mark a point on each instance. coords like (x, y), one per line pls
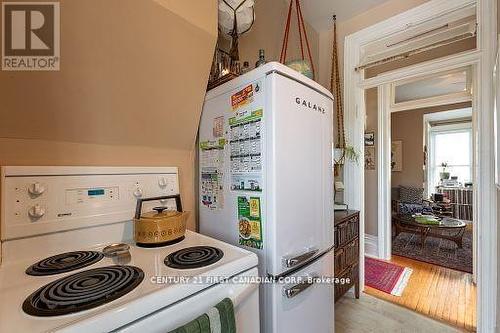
(64, 262)
(194, 257)
(83, 290)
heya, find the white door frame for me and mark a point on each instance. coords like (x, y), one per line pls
(385, 98)
(482, 62)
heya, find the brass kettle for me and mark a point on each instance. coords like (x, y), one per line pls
(160, 226)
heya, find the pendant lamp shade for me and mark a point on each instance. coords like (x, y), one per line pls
(235, 18)
(245, 16)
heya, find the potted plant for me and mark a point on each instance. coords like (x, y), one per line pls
(444, 174)
(342, 154)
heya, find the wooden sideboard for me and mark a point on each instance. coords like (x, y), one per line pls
(346, 228)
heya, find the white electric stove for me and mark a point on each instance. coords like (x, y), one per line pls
(55, 276)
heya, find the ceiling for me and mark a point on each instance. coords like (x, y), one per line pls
(318, 13)
(443, 84)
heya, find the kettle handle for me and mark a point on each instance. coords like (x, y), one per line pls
(177, 198)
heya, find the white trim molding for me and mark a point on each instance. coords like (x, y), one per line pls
(354, 173)
(485, 203)
(481, 61)
(430, 102)
(371, 246)
(424, 69)
(385, 95)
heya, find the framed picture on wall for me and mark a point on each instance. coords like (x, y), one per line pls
(370, 161)
(370, 139)
(397, 156)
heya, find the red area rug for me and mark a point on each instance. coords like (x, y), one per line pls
(386, 277)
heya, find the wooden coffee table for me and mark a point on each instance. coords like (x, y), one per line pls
(448, 228)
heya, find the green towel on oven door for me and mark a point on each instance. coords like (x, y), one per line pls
(219, 319)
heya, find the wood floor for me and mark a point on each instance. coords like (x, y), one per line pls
(437, 292)
(372, 315)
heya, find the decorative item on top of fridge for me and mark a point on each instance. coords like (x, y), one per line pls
(302, 65)
(262, 59)
(223, 69)
(236, 17)
(245, 68)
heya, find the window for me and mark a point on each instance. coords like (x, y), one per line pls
(450, 144)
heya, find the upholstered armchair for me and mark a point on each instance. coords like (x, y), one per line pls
(409, 200)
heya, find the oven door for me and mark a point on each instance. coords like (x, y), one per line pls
(245, 298)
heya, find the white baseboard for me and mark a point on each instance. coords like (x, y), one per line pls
(371, 246)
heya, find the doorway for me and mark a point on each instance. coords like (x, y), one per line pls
(432, 187)
(431, 235)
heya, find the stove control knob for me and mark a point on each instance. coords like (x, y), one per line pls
(138, 192)
(162, 182)
(36, 188)
(36, 211)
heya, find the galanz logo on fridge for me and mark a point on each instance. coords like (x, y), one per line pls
(310, 105)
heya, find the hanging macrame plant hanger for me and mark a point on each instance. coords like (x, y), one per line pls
(302, 34)
(336, 89)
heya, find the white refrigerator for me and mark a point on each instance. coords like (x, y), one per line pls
(266, 184)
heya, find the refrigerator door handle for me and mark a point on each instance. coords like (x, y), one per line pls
(292, 261)
(293, 291)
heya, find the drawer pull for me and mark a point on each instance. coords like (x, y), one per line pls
(289, 262)
(297, 289)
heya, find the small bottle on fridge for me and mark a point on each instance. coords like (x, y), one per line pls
(245, 68)
(262, 59)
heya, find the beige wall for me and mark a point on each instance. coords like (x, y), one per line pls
(408, 127)
(135, 79)
(267, 34)
(129, 92)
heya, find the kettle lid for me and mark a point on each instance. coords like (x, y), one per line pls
(160, 212)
